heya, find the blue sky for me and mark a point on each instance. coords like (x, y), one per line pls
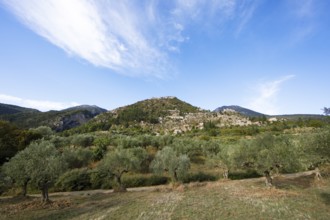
(269, 56)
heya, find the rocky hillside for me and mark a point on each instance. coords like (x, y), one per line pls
(57, 120)
(163, 115)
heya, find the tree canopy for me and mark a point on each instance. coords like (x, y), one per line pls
(326, 111)
(121, 161)
(40, 163)
(167, 160)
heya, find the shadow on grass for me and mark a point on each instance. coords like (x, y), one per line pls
(63, 208)
(99, 202)
(326, 198)
(301, 182)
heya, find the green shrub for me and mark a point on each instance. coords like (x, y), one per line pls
(243, 175)
(74, 180)
(199, 177)
(144, 180)
(82, 140)
(100, 181)
(77, 158)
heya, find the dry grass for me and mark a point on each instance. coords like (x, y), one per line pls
(293, 198)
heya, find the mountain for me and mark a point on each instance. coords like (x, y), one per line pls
(243, 111)
(57, 120)
(6, 109)
(149, 110)
(166, 115)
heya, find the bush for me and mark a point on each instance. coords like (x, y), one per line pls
(77, 158)
(82, 140)
(74, 180)
(243, 175)
(5, 183)
(199, 177)
(139, 180)
(99, 180)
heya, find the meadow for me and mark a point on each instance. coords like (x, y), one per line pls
(295, 196)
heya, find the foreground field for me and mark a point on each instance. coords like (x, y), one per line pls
(295, 197)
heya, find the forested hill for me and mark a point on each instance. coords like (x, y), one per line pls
(147, 112)
(57, 120)
(6, 109)
(151, 109)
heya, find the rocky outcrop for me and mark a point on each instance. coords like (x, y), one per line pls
(177, 123)
(75, 116)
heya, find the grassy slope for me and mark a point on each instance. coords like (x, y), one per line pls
(299, 198)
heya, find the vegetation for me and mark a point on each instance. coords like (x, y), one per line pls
(165, 140)
(57, 120)
(40, 163)
(167, 160)
(121, 161)
(6, 109)
(13, 139)
(147, 111)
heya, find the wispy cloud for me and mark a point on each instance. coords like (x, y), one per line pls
(305, 14)
(130, 37)
(266, 95)
(246, 12)
(41, 105)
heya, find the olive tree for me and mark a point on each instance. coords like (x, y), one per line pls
(121, 161)
(17, 170)
(45, 165)
(221, 161)
(40, 163)
(167, 160)
(5, 182)
(316, 147)
(268, 154)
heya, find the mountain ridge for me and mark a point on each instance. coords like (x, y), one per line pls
(244, 111)
(8, 109)
(167, 114)
(58, 120)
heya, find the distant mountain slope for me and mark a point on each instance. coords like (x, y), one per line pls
(6, 109)
(241, 110)
(57, 120)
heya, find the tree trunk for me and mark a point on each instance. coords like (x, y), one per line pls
(44, 192)
(317, 174)
(269, 179)
(175, 176)
(24, 187)
(225, 173)
(121, 187)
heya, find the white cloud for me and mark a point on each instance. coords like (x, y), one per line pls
(41, 105)
(130, 37)
(266, 95)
